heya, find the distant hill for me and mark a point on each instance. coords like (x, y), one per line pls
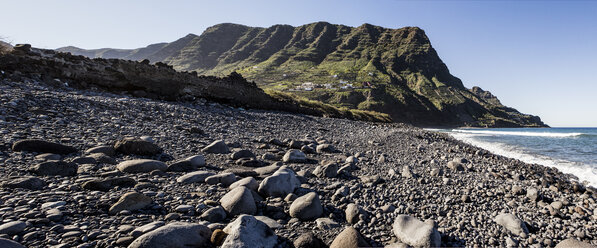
(393, 71)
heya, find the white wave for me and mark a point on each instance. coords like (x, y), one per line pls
(584, 172)
(519, 133)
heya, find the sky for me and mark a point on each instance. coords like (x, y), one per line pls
(539, 57)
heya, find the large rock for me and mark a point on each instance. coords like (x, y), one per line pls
(242, 154)
(327, 170)
(175, 235)
(215, 214)
(42, 146)
(248, 182)
(352, 213)
(137, 146)
(7, 243)
(416, 233)
(309, 240)
(130, 201)
(188, 164)
(307, 207)
(194, 177)
(218, 146)
(294, 156)
(248, 232)
(349, 238)
(239, 201)
(141, 166)
(109, 183)
(280, 184)
(107, 150)
(533, 194)
(325, 148)
(571, 242)
(12, 227)
(55, 168)
(225, 179)
(31, 183)
(512, 224)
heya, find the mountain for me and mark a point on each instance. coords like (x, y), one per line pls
(393, 71)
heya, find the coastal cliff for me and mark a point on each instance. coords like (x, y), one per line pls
(392, 71)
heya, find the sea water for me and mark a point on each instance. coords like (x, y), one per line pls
(571, 150)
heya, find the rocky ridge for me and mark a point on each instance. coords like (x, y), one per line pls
(206, 174)
(392, 71)
(158, 81)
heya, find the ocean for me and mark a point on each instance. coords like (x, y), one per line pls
(571, 150)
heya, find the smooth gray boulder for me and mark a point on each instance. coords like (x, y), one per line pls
(280, 184)
(239, 201)
(325, 148)
(174, 235)
(187, 164)
(225, 178)
(218, 146)
(130, 201)
(248, 232)
(512, 224)
(294, 156)
(31, 183)
(307, 207)
(12, 227)
(215, 214)
(107, 150)
(141, 166)
(7, 243)
(194, 177)
(349, 238)
(242, 154)
(416, 233)
(248, 182)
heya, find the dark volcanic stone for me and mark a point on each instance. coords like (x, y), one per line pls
(32, 183)
(136, 146)
(107, 184)
(309, 240)
(42, 146)
(55, 168)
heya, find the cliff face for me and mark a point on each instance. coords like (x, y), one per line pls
(394, 71)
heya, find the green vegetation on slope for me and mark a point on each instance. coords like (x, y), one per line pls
(394, 71)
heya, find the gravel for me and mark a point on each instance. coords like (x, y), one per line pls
(459, 187)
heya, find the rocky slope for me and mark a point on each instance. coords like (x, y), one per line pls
(393, 71)
(90, 168)
(157, 81)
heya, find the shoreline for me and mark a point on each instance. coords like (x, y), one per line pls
(407, 170)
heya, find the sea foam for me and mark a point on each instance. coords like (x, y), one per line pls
(584, 172)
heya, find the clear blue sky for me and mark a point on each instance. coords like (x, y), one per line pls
(538, 57)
